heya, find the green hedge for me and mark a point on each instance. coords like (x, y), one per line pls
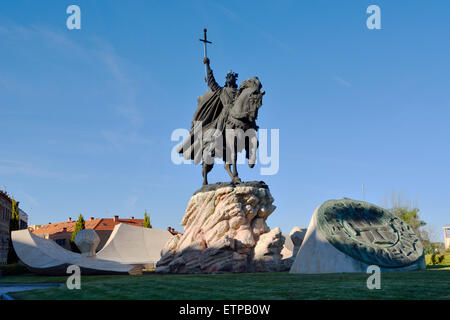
(13, 269)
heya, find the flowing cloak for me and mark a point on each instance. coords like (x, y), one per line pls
(209, 115)
(209, 108)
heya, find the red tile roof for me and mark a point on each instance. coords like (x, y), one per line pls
(96, 224)
(109, 224)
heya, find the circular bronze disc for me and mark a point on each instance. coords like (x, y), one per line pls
(368, 233)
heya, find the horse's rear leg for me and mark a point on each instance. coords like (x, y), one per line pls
(231, 156)
(206, 168)
(233, 175)
(227, 168)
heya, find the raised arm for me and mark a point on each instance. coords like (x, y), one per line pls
(213, 85)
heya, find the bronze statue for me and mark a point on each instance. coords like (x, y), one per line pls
(224, 123)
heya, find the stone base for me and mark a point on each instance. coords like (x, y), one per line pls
(223, 225)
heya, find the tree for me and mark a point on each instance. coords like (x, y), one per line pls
(411, 217)
(14, 225)
(80, 225)
(146, 223)
(409, 212)
(15, 219)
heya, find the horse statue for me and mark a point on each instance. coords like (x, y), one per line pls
(224, 124)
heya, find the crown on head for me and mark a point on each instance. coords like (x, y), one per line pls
(231, 75)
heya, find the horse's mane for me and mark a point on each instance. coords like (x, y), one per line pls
(248, 83)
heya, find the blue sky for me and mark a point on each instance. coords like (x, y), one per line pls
(86, 115)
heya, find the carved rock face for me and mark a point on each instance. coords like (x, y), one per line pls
(222, 226)
(297, 235)
(87, 241)
(267, 255)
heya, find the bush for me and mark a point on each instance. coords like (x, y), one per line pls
(146, 223)
(437, 258)
(80, 225)
(13, 269)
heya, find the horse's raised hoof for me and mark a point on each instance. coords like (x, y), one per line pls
(251, 165)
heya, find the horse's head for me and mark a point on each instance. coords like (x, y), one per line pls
(248, 100)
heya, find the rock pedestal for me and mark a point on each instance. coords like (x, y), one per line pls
(297, 235)
(223, 224)
(267, 256)
(291, 246)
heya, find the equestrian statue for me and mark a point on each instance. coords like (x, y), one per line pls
(224, 123)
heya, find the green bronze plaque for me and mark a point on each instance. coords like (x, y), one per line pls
(369, 233)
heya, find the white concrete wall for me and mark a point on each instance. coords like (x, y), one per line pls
(446, 239)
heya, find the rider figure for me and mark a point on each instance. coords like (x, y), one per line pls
(228, 92)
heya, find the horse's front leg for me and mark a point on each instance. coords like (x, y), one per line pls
(204, 173)
(252, 146)
(228, 157)
(231, 155)
(235, 177)
(207, 165)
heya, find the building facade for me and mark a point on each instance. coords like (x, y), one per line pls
(5, 218)
(61, 232)
(23, 219)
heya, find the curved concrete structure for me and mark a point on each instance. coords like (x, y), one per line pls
(128, 250)
(44, 256)
(318, 255)
(134, 245)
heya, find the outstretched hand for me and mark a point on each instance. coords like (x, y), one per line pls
(205, 60)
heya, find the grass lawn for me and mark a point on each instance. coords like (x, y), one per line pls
(433, 283)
